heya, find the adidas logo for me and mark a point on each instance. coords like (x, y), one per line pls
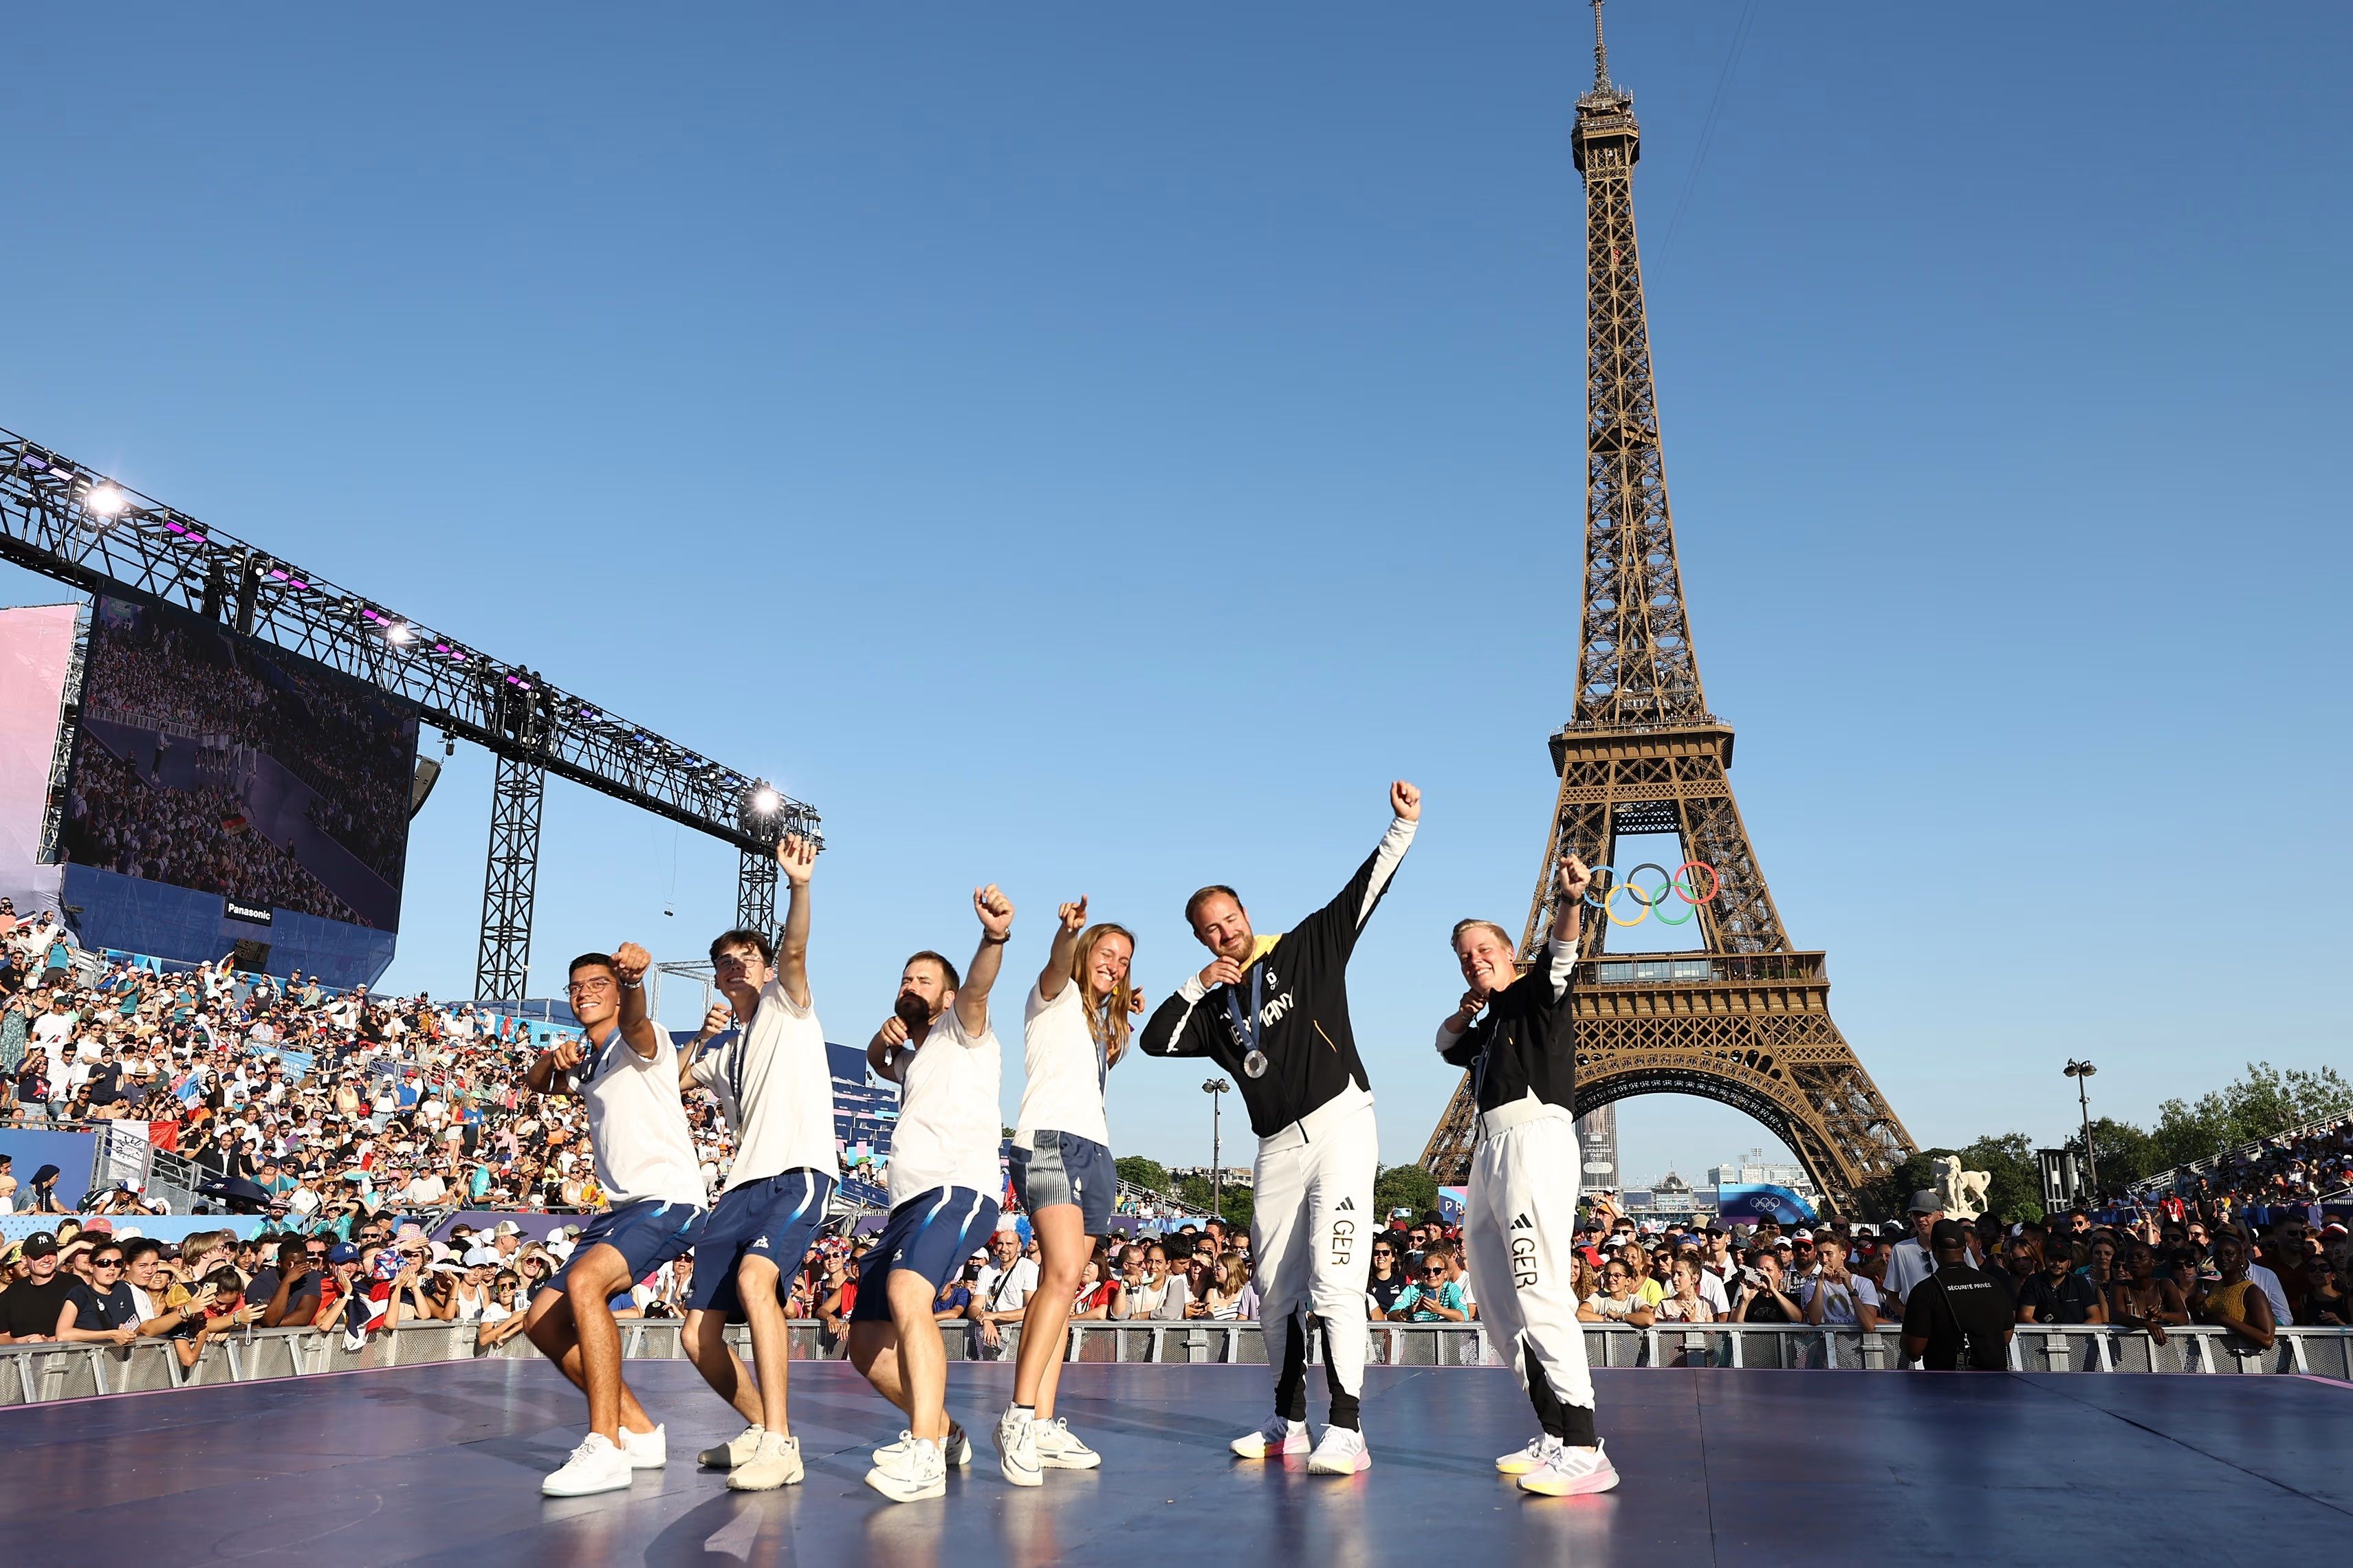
(1345, 1205)
(1522, 1224)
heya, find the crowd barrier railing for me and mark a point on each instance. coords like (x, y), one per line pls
(38, 1373)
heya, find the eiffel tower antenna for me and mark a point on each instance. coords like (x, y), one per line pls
(1745, 1018)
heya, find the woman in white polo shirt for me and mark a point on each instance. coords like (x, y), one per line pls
(1075, 1027)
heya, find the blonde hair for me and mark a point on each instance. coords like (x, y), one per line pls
(1107, 1020)
(1500, 934)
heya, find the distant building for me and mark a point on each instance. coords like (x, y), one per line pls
(1756, 1170)
(1236, 1176)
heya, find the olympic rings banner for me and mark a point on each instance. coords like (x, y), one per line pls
(1680, 888)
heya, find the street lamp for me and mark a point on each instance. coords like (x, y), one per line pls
(1216, 1087)
(2080, 1071)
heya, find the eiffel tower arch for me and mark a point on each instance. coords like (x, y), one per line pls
(1744, 1019)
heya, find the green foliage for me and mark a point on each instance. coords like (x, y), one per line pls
(1237, 1203)
(2126, 1154)
(2264, 1103)
(2014, 1188)
(1138, 1172)
(1405, 1187)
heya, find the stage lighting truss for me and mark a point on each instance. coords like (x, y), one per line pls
(63, 519)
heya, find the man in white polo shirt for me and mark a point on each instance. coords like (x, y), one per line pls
(626, 1070)
(945, 1180)
(777, 1092)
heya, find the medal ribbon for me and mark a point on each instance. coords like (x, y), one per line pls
(1247, 1029)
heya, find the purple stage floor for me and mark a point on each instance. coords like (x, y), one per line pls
(441, 1464)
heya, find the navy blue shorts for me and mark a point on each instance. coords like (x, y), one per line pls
(1064, 1168)
(935, 1234)
(776, 1218)
(648, 1234)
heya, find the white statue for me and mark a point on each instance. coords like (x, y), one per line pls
(1962, 1193)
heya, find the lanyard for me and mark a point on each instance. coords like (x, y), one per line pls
(1247, 1030)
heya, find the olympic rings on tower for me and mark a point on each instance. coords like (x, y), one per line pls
(1684, 882)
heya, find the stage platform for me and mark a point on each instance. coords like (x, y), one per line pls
(441, 1464)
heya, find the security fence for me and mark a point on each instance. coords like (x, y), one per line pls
(40, 1373)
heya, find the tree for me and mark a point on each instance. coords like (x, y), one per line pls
(1238, 1202)
(1404, 1187)
(2014, 1182)
(2014, 1190)
(2126, 1154)
(2262, 1104)
(1138, 1172)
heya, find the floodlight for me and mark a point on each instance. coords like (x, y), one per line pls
(106, 501)
(397, 633)
(765, 801)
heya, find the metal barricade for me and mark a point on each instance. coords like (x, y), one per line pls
(38, 1373)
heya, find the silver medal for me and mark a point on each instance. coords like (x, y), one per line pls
(1254, 1064)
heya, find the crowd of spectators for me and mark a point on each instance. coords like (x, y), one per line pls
(2293, 1171)
(317, 1109)
(343, 741)
(354, 1124)
(117, 821)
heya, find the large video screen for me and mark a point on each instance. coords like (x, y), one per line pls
(214, 762)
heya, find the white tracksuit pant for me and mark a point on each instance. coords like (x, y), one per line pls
(1312, 1224)
(1520, 1232)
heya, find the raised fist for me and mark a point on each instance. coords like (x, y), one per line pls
(1406, 801)
(995, 910)
(798, 856)
(568, 1052)
(717, 1019)
(894, 1032)
(1574, 878)
(631, 962)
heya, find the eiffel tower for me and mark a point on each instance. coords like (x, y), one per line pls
(1745, 1019)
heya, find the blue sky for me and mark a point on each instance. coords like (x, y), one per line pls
(1095, 450)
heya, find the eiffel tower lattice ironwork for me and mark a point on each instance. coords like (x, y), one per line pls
(1745, 1019)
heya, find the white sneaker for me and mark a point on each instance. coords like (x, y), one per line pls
(1341, 1453)
(1570, 1472)
(1016, 1448)
(597, 1466)
(1520, 1461)
(1058, 1450)
(736, 1450)
(646, 1450)
(917, 1470)
(957, 1451)
(1278, 1436)
(777, 1463)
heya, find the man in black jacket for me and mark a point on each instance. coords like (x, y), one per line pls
(1517, 1034)
(1956, 1319)
(1273, 1011)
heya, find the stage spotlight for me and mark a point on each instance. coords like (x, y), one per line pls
(765, 801)
(397, 633)
(105, 501)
